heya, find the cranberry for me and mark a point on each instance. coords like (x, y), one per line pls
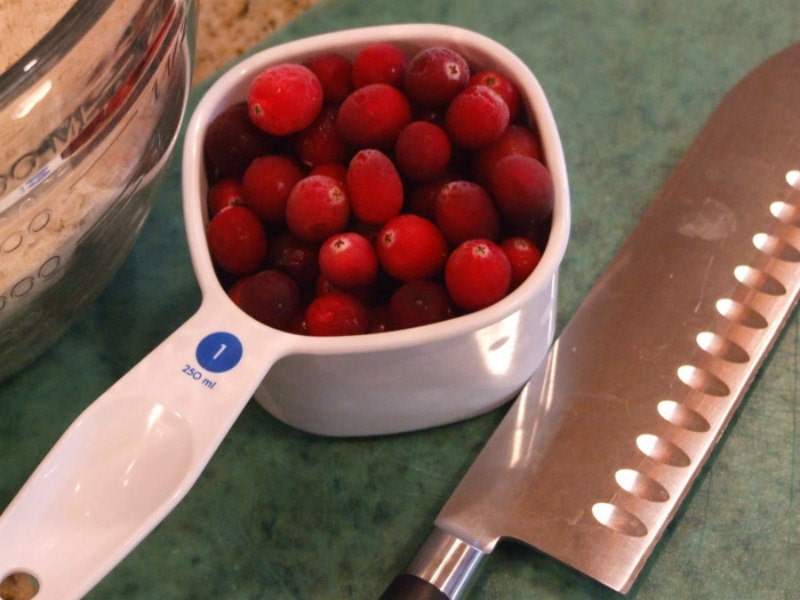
(270, 297)
(335, 170)
(237, 241)
(476, 117)
(334, 73)
(411, 247)
(419, 302)
(464, 210)
(226, 192)
(336, 313)
(372, 116)
(523, 255)
(267, 183)
(366, 295)
(297, 258)
(503, 86)
(317, 208)
(516, 139)
(348, 260)
(523, 189)
(284, 98)
(435, 75)
(378, 318)
(298, 326)
(324, 286)
(422, 199)
(374, 187)
(477, 274)
(231, 143)
(320, 142)
(422, 151)
(379, 63)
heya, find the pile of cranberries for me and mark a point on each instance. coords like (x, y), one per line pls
(387, 191)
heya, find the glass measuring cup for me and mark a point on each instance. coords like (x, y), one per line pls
(89, 117)
(137, 450)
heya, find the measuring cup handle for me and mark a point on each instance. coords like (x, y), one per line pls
(133, 454)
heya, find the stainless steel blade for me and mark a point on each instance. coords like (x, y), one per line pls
(594, 458)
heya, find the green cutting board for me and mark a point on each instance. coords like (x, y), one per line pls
(280, 514)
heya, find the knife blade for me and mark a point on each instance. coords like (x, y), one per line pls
(594, 457)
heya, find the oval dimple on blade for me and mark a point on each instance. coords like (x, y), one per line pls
(721, 347)
(741, 314)
(618, 519)
(703, 381)
(786, 212)
(662, 450)
(759, 280)
(640, 485)
(682, 416)
(776, 247)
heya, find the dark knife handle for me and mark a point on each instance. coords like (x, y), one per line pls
(443, 569)
(411, 587)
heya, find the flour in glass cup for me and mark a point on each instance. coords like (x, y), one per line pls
(84, 140)
(25, 22)
(40, 229)
(22, 24)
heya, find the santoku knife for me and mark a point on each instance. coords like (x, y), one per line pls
(595, 456)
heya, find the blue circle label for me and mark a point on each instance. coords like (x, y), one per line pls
(219, 352)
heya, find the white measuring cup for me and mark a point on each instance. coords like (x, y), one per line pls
(135, 452)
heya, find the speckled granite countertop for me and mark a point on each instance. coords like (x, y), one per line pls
(282, 515)
(226, 28)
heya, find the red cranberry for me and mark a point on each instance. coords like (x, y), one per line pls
(523, 255)
(226, 192)
(464, 210)
(237, 241)
(336, 313)
(516, 139)
(476, 117)
(374, 187)
(410, 247)
(317, 208)
(320, 142)
(378, 318)
(334, 73)
(270, 297)
(284, 99)
(231, 143)
(372, 116)
(335, 170)
(477, 274)
(267, 183)
(422, 199)
(419, 302)
(435, 75)
(422, 151)
(379, 63)
(297, 258)
(348, 260)
(523, 189)
(503, 86)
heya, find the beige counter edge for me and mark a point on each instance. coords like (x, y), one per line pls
(227, 28)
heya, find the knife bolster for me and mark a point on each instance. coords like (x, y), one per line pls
(446, 562)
